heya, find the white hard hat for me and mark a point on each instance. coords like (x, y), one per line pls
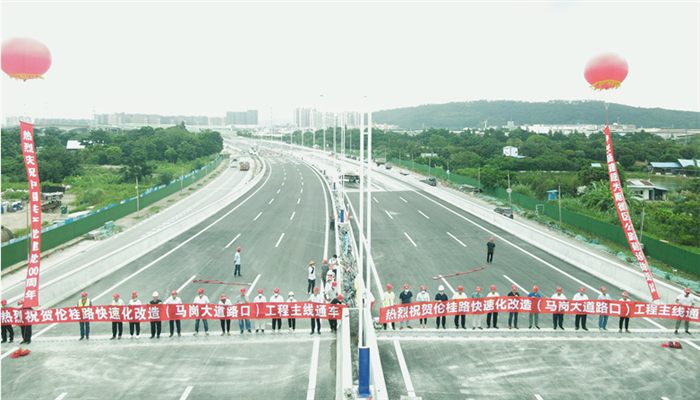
(291, 293)
(155, 294)
(441, 288)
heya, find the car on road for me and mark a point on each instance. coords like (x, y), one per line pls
(403, 172)
(506, 212)
(387, 165)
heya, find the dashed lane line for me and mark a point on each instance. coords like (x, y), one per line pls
(387, 213)
(421, 213)
(258, 216)
(280, 239)
(404, 200)
(292, 215)
(298, 200)
(516, 284)
(234, 239)
(273, 199)
(409, 238)
(62, 395)
(187, 393)
(458, 241)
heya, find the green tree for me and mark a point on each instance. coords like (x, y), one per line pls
(114, 155)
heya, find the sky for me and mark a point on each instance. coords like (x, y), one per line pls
(187, 58)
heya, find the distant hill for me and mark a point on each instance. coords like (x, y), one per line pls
(497, 113)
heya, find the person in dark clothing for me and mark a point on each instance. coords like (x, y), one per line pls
(490, 249)
(26, 329)
(513, 316)
(441, 296)
(155, 325)
(7, 329)
(334, 322)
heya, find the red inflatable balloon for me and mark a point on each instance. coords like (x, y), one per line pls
(606, 71)
(24, 58)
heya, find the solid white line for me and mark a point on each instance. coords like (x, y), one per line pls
(278, 191)
(375, 199)
(185, 284)
(518, 338)
(311, 393)
(273, 199)
(298, 200)
(458, 241)
(404, 369)
(692, 344)
(409, 238)
(278, 242)
(655, 323)
(292, 215)
(538, 397)
(234, 239)
(62, 396)
(387, 213)
(448, 285)
(187, 393)
(404, 200)
(514, 283)
(258, 216)
(421, 213)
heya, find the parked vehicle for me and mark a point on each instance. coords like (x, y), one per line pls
(430, 181)
(506, 212)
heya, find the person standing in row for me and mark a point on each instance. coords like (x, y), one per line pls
(558, 318)
(156, 326)
(134, 325)
(334, 322)
(201, 299)
(685, 299)
(388, 301)
(316, 322)
(7, 329)
(534, 314)
(260, 323)
(277, 322)
(242, 299)
(421, 297)
(440, 296)
(492, 315)
(84, 326)
(603, 319)
(490, 249)
(117, 327)
(476, 320)
(625, 320)
(237, 263)
(25, 329)
(581, 296)
(324, 270)
(225, 322)
(173, 299)
(513, 316)
(406, 297)
(312, 277)
(292, 322)
(460, 295)
(331, 291)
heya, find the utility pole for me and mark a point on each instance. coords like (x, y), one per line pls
(559, 206)
(137, 196)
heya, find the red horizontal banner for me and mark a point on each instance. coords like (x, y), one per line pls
(167, 312)
(628, 309)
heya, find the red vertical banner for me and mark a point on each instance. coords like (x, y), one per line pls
(31, 286)
(624, 214)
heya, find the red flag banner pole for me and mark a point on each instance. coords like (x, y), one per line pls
(624, 214)
(31, 286)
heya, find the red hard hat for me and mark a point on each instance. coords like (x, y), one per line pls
(315, 288)
(460, 288)
(625, 294)
(603, 288)
(335, 284)
(242, 290)
(340, 297)
(3, 302)
(687, 290)
(20, 302)
(582, 289)
(405, 287)
(260, 291)
(493, 287)
(513, 287)
(201, 290)
(173, 292)
(223, 296)
(277, 290)
(422, 288)
(478, 288)
(558, 288)
(84, 294)
(491, 239)
(239, 249)
(535, 288)
(134, 294)
(325, 261)
(116, 295)
(389, 286)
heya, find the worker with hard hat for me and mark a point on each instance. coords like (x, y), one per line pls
(237, 263)
(558, 319)
(334, 322)
(225, 322)
(490, 249)
(242, 299)
(534, 315)
(626, 320)
(441, 296)
(312, 277)
(276, 322)
(492, 315)
(117, 327)
(134, 325)
(421, 297)
(685, 299)
(84, 326)
(581, 318)
(292, 322)
(7, 329)
(324, 270)
(331, 291)
(174, 299)
(476, 319)
(388, 301)
(260, 323)
(460, 295)
(316, 322)
(513, 316)
(201, 299)
(156, 326)
(406, 297)
(25, 329)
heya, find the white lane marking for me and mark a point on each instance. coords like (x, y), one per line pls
(187, 393)
(298, 200)
(404, 200)
(234, 239)
(514, 283)
(458, 241)
(273, 199)
(252, 285)
(278, 242)
(62, 396)
(448, 285)
(292, 215)
(278, 191)
(185, 284)
(538, 397)
(311, 393)
(302, 191)
(302, 184)
(375, 199)
(282, 183)
(517, 338)
(387, 213)
(692, 344)
(664, 398)
(655, 323)
(404, 369)
(421, 213)
(409, 238)
(258, 216)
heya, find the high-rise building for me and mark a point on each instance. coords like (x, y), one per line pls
(252, 117)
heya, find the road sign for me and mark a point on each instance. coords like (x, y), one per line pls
(509, 190)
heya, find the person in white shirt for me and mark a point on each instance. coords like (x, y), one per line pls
(685, 299)
(460, 295)
(423, 296)
(237, 263)
(242, 299)
(225, 323)
(581, 296)
(558, 318)
(603, 319)
(316, 322)
(134, 325)
(333, 264)
(388, 301)
(292, 322)
(201, 299)
(625, 320)
(276, 298)
(117, 326)
(331, 291)
(494, 315)
(173, 299)
(312, 277)
(260, 323)
(476, 321)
